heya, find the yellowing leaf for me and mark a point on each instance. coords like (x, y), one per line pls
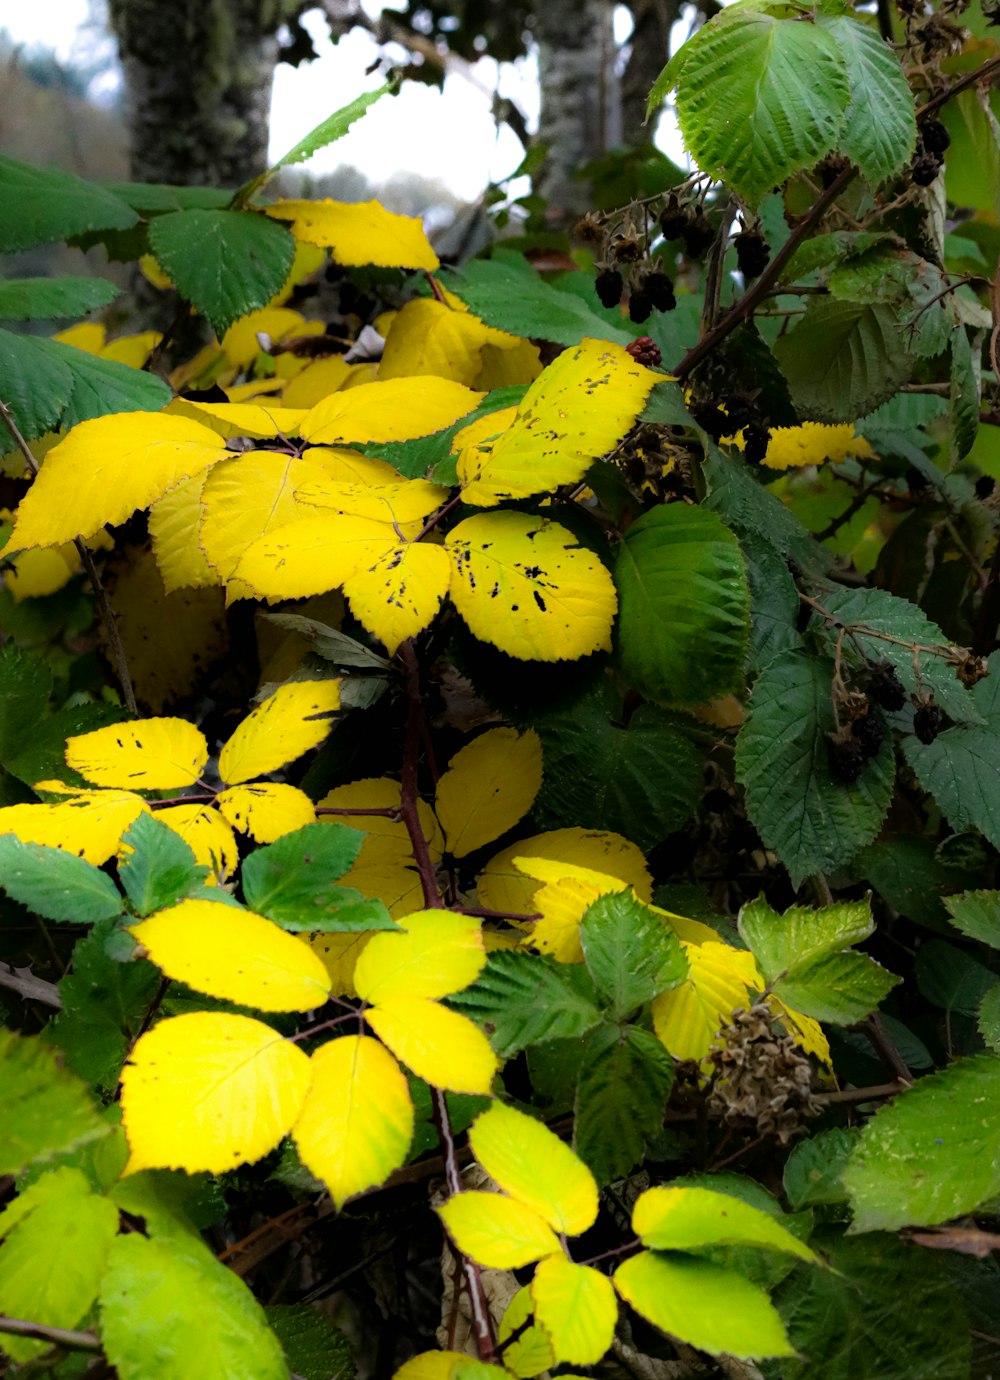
(804, 1031)
(397, 886)
(400, 593)
(563, 900)
(497, 1232)
(356, 1124)
(448, 1365)
(504, 887)
(490, 784)
(812, 443)
(351, 467)
(402, 501)
(578, 408)
(689, 1017)
(440, 1046)
(323, 377)
(209, 1091)
(437, 953)
(207, 834)
(246, 498)
(90, 824)
(240, 342)
(288, 723)
(690, 931)
(577, 1307)
(45, 570)
(234, 954)
(339, 954)
(507, 368)
(314, 555)
(396, 410)
(525, 585)
(427, 337)
(386, 840)
(107, 468)
(533, 1165)
(132, 350)
(530, 1352)
(174, 521)
(266, 810)
(679, 1217)
(359, 233)
(263, 421)
(85, 335)
(154, 754)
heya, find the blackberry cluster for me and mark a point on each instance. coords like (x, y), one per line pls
(681, 221)
(644, 350)
(932, 143)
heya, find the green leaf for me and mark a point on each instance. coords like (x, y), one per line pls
(989, 1017)
(432, 454)
(683, 607)
(841, 988)
(961, 767)
(25, 686)
(314, 1348)
(53, 1259)
(964, 396)
(908, 875)
(642, 781)
(813, 822)
(524, 999)
(172, 1301)
(977, 914)
(630, 953)
(507, 292)
(55, 884)
(760, 98)
(933, 1153)
(39, 299)
(788, 943)
(154, 197)
(685, 1217)
(625, 1080)
(41, 205)
(157, 867)
(950, 978)
(744, 503)
(104, 385)
(774, 602)
(34, 383)
(46, 1110)
(972, 168)
(291, 882)
(812, 1171)
(713, 1309)
(41, 755)
(879, 132)
(226, 263)
(104, 1004)
(843, 359)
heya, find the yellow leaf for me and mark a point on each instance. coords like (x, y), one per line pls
(266, 810)
(577, 1307)
(436, 953)
(287, 724)
(240, 341)
(533, 1165)
(689, 1017)
(45, 570)
(682, 1217)
(439, 1045)
(507, 368)
(85, 335)
(351, 467)
(359, 233)
(400, 593)
(314, 555)
(690, 931)
(502, 886)
(153, 754)
(812, 443)
(479, 437)
(531, 1351)
(174, 521)
(356, 1124)
(306, 260)
(106, 469)
(245, 498)
(339, 954)
(152, 272)
(132, 350)
(578, 409)
(90, 824)
(402, 501)
(490, 784)
(207, 834)
(386, 840)
(396, 410)
(427, 337)
(323, 377)
(234, 954)
(804, 1031)
(525, 585)
(563, 900)
(397, 886)
(497, 1232)
(263, 421)
(209, 1091)
(448, 1365)
(256, 388)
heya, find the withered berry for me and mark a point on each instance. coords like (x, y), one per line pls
(608, 287)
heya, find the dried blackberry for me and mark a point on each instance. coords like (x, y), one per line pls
(971, 669)
(645, 351)
(927, 722)
(924, 169)
(884, 686)
(589, 229)
(847, 760)
(698, 234)
(608, 286)
(869, 734)
(639, 306)
(934, 137)
(673, 219)
(756, 439)
(660, 289)
(717, 801)
(712, 420)
(739, 411)
(985, 485)
(753, 254)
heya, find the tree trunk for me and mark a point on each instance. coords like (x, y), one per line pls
(581, 113)
(649, 49)
(198, 77)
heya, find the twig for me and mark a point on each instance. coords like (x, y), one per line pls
(28, 987)
(409, 796)
(55, 1336)
(856, 504)
(851, 1095)
(984, 73)
(882, 1042)
(106, 611)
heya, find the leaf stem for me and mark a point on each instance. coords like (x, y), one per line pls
(55, 1336)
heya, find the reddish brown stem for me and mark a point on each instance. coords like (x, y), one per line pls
(409, 797)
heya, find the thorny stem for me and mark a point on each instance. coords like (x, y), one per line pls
(409, 795)
(985, 73)
(55, 1336)
(108, 618)
(477, 1295)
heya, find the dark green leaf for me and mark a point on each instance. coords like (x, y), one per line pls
(155, 197)
(988, 1018)
(157, 867)
(25, 686)
(625, 1080)
(631, 954)
(774, 602)
(952, 979)
(745, 504)
(46, 1110)
(41, 755)
(41, 205)
(683, 606)
(521, 1000)
(291, 881)
(40, 299)
(56, 885)
(34, 383)
(907, 873)
(964, 396)
(103, 385)
(812, 821)
(880, 129)
(226, 263)
(313, 1347)
(813, 1169)
(843, 359)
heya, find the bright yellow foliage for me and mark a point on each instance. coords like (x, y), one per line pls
(438, 1044)
(813, 443)
(359, 233)
(386, 840)
(208, 836)
(266, 810)
(428, 337)
(490, 784)
(531, 1351)
(689, 1017)
(533, 1165)
(234, 954)
(153, 754)
(504, 887)
(563, 899)
(174, 521)
(400, 592)
(90, 824)
(396, 410)
(577, 1307)
(436, 953)
(41, 571)
(295, 718)
(496, 1231)
(339, 953)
